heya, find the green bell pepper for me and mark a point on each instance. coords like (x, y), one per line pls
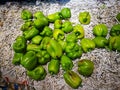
(38, 14)
(53, 17)
(100, 30)
(63, 44)
(87, 44)
(33, 47)
(72, 79)
(115, 30)
(65, 13)
(43, 57)
(66, 63)
(84, 17)
(100, 42)
(36, 39)
(26, 14)
(79, 31)
(67, 27)
(118, 17)
(58, 24)
(17, 58)
(47, 31)
(71, 37)
(53, 66)
(114, 43)
(29, 34)
(29, 60)
(39, 73)
(85, 67)
(73, 50)
(58, 34)
(20, 44)
(54, 49)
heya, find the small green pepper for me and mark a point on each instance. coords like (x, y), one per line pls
(79, 31)
(38, 14)
(47, 31)
(17, 58)
(39, 73)
(100, 30)
(53, 17)
(26, 14)
(115, 30)
(118, 17)
(66, 63)
(72, 79)
(63, 44)
(20, 44)
(58, 34)
(85, 67)
(71, 37)
(43, 57)
(67, 27)
(84, 17)
(29, 60)
(87, 44)
(114, 43)
(29, 34)
(33, 47)
(36, 39)
(100, 42)
(53, 66)
(58, 24)
(65, 13)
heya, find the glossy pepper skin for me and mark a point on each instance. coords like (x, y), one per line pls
(118, 17)
(66, 63)
(29, 34)
(65, 13)
(17, 58)
(114, 43)
(58, 24)
(29, 60)
(47, 31)
(85, 67)
(72, 79)
(79, 31)
(53, 66)
(33, 47)
(43, 57)
(19, 45)
(115, 30)
(100, 30)
(26, 25)
(73, 50)
(100, 42)
(38, 14)
(58, 34)
(54, 49)
(71, 37)
(87, 44)
(53, 17)
(39, 73)
(67, 27)
(37, 39)
(26, 14)
(84, 17)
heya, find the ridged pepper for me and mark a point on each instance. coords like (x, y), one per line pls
(33, 47)
(20, 44)
(79, 31)
(115, 30)
(72, 79)
(87, 44)
(26, 14)
(37, 39)
(39, 73)
(118, 17)
(66, 63)
(63, 44)
(17, 58)
(29, 60)
(38, 14)
(114, 43)
(29, 34)
(58, 24)
(71, 37)
(85, 67)
(84, 17)
(65, 13)
(43, 57)
(100, 42)
(53, 66)
(67, 27)
(58, 34)
(100, 30)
